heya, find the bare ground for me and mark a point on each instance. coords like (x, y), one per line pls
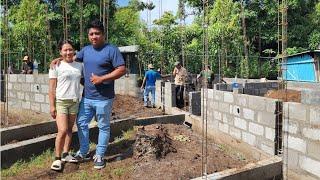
(123, 163)
(127, 106)
(285, 95)
(123, 107)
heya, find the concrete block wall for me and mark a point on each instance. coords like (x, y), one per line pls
(165, 95)
(310, 96)
(240, 80)
(128, 85)
(28, 91)
(248, 118)
(159, 93)
(259, 88)
(195, 103)
(302, 137)
(170, 95)
(251, 88)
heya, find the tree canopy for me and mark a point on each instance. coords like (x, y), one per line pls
(242, 34)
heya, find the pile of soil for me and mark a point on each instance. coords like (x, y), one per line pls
(288, 95)
(128, 106)
(185, 161)
(152, 142)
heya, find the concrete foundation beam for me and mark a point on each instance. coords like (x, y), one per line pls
(23, 132)
(270, 168)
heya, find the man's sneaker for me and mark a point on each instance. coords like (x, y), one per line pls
(69, 158)
(82, 158)
(99, 162)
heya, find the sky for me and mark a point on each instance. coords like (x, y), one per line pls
(167, 5)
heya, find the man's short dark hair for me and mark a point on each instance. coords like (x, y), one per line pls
(97, 25)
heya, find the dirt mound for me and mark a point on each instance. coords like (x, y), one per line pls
(152, 142)
(285, 95)
(186, 163)
(127, 106)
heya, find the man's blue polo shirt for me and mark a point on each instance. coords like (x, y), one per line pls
(151, 77)
(99, 61)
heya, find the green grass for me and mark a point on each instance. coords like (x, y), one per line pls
(92, 145)
(44, 160)
(35, 162)
(119, 171)
(82, 175)
(126, 135)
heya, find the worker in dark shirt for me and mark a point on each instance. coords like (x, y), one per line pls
(27, 66)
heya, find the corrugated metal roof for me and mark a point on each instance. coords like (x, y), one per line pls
(301, 53)
(129, 49)
(305, 52)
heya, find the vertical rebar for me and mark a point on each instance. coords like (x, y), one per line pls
(104, 14)
(282, 53)
(205, 92)
(107, 20)
(81, 23)
(100, 10)
(5, 64)
(65, 19)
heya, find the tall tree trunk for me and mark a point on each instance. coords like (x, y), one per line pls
(244, 29)
(245, 44)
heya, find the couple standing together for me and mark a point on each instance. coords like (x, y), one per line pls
(99, 64)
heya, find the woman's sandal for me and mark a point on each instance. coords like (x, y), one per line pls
(56, 165)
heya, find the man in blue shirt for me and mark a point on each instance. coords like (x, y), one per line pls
(103, 63)
(149, 80)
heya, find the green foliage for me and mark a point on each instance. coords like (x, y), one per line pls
(244, 68)
(314, 40)
(295, 50)
(162, 44)
(126, 135)
(254, 68)
(125, 27)
(28, 22)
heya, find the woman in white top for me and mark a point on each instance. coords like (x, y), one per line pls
(64, 94)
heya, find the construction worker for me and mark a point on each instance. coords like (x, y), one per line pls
(180, 74)
(149, 81)
(27, 66)
(207, 76)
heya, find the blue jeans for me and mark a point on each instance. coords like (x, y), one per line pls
(146, 92)
(87, 109)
